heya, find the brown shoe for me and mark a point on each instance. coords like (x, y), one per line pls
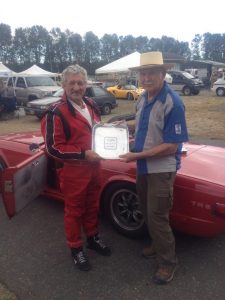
(164, 274)
(148, 252)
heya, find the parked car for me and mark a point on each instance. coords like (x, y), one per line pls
(199, 189)
(105, 101)
(185, 83)
(126, 91)
(28, 88)
(219, 86)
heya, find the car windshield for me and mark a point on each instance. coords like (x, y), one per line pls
(188, 75)
(40, 81)
(129, 87)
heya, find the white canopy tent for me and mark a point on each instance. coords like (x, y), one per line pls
(121, 65)
(37, 71)
(4, 71)
(120, 68)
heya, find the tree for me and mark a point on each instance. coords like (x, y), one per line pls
(21, 47)
(75, 46)
(56, 49)
(6, 42)
(91, 52)
(142, 44)
(196, 46)
(214, 46)
(127, 45)
(109, 45)
(37, 39)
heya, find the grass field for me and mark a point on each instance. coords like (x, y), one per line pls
(205, 116)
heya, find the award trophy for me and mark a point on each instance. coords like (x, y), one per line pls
(110, 140)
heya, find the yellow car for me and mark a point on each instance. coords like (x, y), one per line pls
(126, 91)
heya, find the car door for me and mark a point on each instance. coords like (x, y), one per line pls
(21, 90)
(178, 82)
(23, 182)
(9, 92)
(119, 91)
(100, 95)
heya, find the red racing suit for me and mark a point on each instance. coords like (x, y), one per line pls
(67, 136)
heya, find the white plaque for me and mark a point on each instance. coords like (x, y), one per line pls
(110, 140)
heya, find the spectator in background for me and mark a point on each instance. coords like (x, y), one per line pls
(213, 77)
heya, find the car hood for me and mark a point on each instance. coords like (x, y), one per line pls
(28, 138)
(198, 81)
(45, 101)
(199, 162)
(53, 88)
(204, 163)
(220, 81)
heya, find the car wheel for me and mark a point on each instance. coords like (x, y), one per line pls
(106, 110)
(220, 92)
(122, 207)
(130, 96)
(186, 91)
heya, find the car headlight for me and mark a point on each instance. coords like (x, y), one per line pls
(43, 107)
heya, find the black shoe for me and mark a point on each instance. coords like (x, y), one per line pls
(95, 243)
(80, 259)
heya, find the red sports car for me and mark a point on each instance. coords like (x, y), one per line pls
(199, 194)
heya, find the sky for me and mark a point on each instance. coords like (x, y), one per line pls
(173, 18)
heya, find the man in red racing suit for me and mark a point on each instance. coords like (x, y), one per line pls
(67, 131)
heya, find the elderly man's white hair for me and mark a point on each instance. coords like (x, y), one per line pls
(74, 69)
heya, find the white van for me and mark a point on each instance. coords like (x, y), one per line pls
(219, 86)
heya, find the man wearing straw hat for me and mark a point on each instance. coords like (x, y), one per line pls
(160, 130)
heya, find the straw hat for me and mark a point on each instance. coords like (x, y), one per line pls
(150, 60)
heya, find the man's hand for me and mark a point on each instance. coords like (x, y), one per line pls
(130, 156)
(91, 155)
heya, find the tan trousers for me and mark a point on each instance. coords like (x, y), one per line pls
(156, 196)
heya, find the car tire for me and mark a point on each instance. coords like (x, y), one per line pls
(122, 208)
(106, 110)
(186, 91)
(130, 96)
(220, 92)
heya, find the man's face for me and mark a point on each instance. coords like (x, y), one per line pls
(152, 80)
(75, 87)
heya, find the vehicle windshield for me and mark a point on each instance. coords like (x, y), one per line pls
(188, 75)
(40, 81)
(129, 87)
